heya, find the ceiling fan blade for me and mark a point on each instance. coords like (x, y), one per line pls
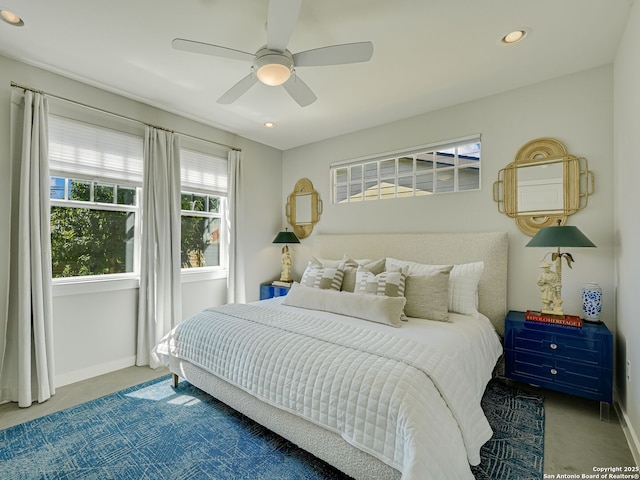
(238, 89)
(299, 91)
(281, 22)
(208, 49)
(335, 55)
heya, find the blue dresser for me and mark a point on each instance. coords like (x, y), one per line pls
(578, 361)
(269, 291)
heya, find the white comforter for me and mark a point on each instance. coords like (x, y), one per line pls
(409, 396)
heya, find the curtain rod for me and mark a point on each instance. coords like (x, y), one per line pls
(84, 105)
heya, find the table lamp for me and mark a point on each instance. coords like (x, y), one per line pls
(286, 237)
(550, 282)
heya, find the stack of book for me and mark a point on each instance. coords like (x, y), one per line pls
(278, 283)
(565, 320)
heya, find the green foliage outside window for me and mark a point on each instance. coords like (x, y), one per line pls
(100, 241)
(90, 242)
(199, 246)
(86, 241)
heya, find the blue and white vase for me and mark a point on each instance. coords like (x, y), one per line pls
(591, 301)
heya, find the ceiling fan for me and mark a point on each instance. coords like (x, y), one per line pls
(273, 64)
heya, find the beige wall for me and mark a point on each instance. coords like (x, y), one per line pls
(627, 220)
(576, 109)
(94, 328)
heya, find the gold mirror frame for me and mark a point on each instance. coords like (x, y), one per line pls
(577, 184)
(303, 208)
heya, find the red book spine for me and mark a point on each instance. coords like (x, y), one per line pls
(566, 320)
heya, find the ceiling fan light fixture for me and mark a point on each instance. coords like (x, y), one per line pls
(273, 74)
(273, 68)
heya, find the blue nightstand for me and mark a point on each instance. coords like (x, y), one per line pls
(578, 361)
(269, 291)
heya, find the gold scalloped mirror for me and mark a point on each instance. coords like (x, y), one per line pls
(303, 208)
(543, 185)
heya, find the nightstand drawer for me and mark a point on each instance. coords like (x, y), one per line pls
(571, 377)
(587, 350)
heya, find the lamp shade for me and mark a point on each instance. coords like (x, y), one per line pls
(286, 237)
(560, 236)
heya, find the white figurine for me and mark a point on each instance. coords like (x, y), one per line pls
(285, 276)
(549, 283)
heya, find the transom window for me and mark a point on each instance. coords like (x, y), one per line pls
(448, 167)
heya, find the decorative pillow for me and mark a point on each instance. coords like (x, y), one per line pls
(428, 295)
(377, 309)
(350, 268)
(463, 282)
(323, 277)
(389, 284)
(325, 262)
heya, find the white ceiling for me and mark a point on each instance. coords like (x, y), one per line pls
(428, 54)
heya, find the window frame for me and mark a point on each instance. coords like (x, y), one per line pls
(223, 235)
(112, 207)
(355, 186)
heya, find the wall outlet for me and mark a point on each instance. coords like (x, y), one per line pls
(628, 371)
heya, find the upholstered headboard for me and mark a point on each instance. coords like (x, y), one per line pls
(435, 249)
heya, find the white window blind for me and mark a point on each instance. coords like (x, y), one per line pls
(82, 150)
(202, 172)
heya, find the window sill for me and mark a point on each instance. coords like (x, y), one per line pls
(83, 285)
(202, 274)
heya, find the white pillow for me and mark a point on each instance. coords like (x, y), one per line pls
(323, 277)
(377, 309)
(463, 282)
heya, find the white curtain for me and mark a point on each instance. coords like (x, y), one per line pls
(235, 275)
(26, 332)
(159, 301)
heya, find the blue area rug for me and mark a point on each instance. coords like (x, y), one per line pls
(152, 431)
(516, 450)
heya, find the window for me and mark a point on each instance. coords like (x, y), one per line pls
(96, 178)
(203, 203)
(447, 167)
(200, 233)
(96, 191)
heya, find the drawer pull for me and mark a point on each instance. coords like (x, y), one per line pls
(554, 371)
(553, 346)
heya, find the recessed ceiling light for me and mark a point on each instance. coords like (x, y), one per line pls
(269, 125)
(11, 18)
(515, 36)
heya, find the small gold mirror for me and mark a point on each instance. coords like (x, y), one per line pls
(303, 208)
(543, 185)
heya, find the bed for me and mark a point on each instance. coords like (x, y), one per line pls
(342, 375)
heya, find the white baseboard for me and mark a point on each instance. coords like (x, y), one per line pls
(94, 371)
(630, 434)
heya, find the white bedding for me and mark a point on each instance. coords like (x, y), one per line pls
(416, 407)
(472, 337)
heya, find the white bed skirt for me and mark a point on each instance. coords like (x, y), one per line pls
(322, 443)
